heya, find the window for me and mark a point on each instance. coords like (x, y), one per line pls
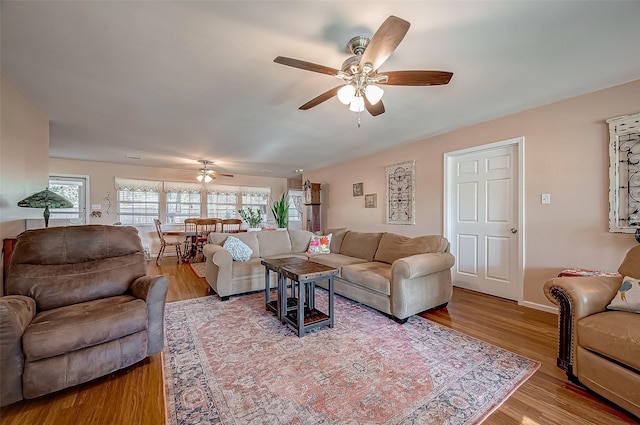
(183, 200)
(138, 201)
(182, 205)
(74, 189)
(224, 201)
(295, 205)
(259, 200)
(624, 173)
(222, 205)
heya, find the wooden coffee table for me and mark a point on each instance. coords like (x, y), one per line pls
(298, 311)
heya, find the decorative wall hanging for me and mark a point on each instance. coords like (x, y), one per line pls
(371, 200)
(401, 193)
(624, 174)
(358, 189)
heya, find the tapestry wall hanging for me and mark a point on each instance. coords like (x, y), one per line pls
(401, 193)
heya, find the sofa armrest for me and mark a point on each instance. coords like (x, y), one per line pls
(577, 297)
(420, 282)
(218, 269)
(16, 313)
(153, 290)
(421, 265)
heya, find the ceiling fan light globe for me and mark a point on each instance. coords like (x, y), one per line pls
(207, 178)
(357, 104)
(374, 93)
(199, 177)
(346, 94)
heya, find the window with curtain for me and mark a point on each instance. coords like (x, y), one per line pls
(138, 201)
(222, 205)
(183, 200)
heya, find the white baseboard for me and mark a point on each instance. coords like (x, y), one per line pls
(543, 307)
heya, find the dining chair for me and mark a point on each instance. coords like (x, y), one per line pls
(231, 225)
(190, 237)
(204, 226)
(165, 243)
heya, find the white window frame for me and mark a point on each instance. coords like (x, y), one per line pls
(125, 186)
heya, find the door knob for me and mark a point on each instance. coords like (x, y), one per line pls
(514, 230)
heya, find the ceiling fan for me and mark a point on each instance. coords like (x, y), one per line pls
(360, 72)
(208, 174)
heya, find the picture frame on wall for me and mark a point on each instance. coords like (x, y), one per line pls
(371, 200)
(400, 179)
(358, 189)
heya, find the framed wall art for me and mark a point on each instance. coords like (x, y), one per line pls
(358, 189)
(401, 193)
(371, 200)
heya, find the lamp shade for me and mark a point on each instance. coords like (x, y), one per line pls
(346, 94)
(45, 199)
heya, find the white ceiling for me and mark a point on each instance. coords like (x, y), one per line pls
(173, 82)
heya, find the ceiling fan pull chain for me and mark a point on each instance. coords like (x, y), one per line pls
(359, 114)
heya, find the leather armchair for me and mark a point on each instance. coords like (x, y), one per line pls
(599, 348)
(79, 305)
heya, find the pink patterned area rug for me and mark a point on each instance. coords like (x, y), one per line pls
(233, 362)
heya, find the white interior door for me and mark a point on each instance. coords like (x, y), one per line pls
(483, 220)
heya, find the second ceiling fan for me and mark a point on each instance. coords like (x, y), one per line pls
(360, 72)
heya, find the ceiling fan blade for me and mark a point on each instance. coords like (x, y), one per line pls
(307, 66)
(374, 110)
(417, 78)
(319, 99)
(384, 42)
(215, 173)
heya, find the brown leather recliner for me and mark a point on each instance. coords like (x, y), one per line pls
(599, 348)
(79, 305)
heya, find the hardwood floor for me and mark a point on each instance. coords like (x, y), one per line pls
(135, 395)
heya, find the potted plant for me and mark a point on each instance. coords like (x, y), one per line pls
(280, 209)
(252, 217)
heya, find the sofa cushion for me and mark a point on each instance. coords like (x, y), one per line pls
(238, 249)
(249, 238)
(299, 240)
(337, 237)
(631, 264)
(65, 329)
(360, 245)
(373, 275)
(614, 334)
(335, 260)
(274, 242)
(320, 244)
(393, 247)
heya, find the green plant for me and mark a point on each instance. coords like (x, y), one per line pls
(280, 209)
(252, 217)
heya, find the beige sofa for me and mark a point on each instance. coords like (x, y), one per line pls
(80, 305)
(598, 347)
(394, 274)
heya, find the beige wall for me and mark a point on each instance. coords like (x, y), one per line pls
(24, 157)
(566, 155)
(101, 182)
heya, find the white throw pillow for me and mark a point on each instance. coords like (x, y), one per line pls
(628, 296)
(239, 250)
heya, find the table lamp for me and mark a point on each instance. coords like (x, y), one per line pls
(45, 199)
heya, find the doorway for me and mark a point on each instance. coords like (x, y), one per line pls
(484, 204)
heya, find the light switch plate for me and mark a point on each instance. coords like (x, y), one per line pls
(96, 207)
(545, 198)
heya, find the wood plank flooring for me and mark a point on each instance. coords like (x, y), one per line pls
(134, 396)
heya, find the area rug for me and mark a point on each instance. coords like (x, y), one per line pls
(232, 362)
(197, 269)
